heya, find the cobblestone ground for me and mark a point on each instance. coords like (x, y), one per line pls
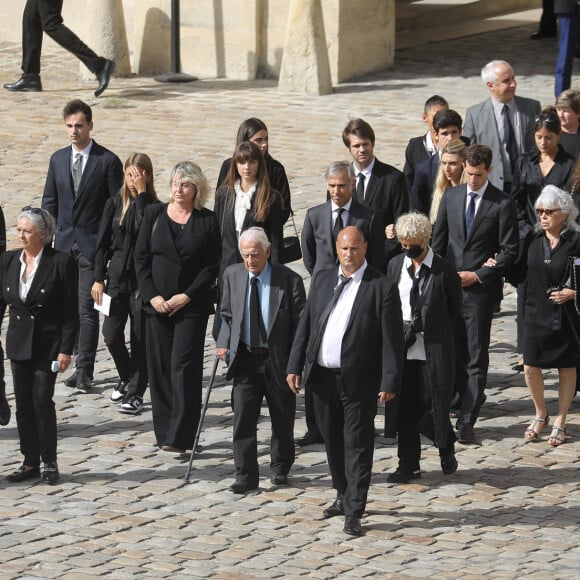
(122, 508)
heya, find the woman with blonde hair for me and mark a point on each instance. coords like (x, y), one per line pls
(450, 173)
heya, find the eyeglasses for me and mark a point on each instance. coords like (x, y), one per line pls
(36, 211)
(549, 212)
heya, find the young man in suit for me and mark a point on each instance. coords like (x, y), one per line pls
(80, 179)
(420, 148)
(476, 221)
(378, 185)
(42, 16)
(503, 122)
(259, 322)
(348, 350)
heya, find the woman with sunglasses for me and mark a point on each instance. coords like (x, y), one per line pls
(549, 164)
(39, 285)
(116, 241)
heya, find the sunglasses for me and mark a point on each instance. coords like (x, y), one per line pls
(549, 212)
(36, 211)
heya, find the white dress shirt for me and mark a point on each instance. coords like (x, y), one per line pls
(24, 285)
(345, 213)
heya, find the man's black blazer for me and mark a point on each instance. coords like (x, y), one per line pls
(372, 346)
(78, 219)
(45, 324)
(415, 153)
(318, 247)
(494, 234)
(387, 195)
(287, 298)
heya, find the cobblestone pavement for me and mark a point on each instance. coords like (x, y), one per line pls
(122, 508)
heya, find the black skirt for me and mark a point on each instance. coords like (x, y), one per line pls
(550, 349)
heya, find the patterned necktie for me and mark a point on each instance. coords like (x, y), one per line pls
(509, 137)
(257, 328)
(77, 172)
(470, 213)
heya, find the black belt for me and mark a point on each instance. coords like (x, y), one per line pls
(333, 370)
(254, 349)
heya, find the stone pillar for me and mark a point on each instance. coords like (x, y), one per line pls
(305, 67)
(106, 34)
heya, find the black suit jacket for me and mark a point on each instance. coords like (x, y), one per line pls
(287, 298)
(318, 247)
(372, 346)
(494, 234)
(415, 153)
(45, 324)
(425, 176)
(387, 195)
(78, 219)
(188, 264)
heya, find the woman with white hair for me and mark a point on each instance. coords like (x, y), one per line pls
(550, 340)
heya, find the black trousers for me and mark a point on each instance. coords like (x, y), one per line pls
(35, 411)
(131, 366)
(416, 415)
(254, 380)
(348, 430)
(88, 330)
(476, 328)
(45, 16)
(175, 365)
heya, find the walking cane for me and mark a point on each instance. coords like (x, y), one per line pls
(203, 412)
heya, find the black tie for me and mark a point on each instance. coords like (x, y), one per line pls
(414, 296)
(360, 187)
(470, 213)
(327, 311)
(338, 224)
(77, 172)
(257, 328)
(509, 137)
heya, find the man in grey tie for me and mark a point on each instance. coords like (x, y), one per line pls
(80, 179)
(260, 307)
(476, 221)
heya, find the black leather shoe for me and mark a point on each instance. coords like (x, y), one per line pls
(84, 382)
(241, 487)
(23, 474)
(50, 473)
(30, 84)
(449, 463)
(465, 433)
(403, 474)
(539, 35)
(336, 509)
(104, 77)
(309, 438)
(71, 381)
(279, 479)
(352, 526)
(4, 410)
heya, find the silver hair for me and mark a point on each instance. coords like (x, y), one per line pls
(414, 226)
(337, 167)
(488, 74)
(254, 234)
(41, 220)
(189, 171)
(553, 197)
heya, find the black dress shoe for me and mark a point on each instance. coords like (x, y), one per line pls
(83, 382)
(465, 433)
(539, 35)
(71, 381)
(23, 474)
(104, 77)
(309, 438)
(50, 473)
(30, 83)
(241, 487)
(336, 509)
(4, 410)
(352, 526)
(404, 473)
(449, 463)
(279, 479)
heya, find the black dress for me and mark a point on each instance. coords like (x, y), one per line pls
(548, 339)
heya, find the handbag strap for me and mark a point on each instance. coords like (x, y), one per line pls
(293, 222)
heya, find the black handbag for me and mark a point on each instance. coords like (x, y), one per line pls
(291, 250)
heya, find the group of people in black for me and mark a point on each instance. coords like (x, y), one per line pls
(425, 252)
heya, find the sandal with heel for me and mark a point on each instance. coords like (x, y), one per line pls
(557, 440)
(530, 434)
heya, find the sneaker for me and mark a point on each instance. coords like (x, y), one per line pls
(132, 405)
(119, 392)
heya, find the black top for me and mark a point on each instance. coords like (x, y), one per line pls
(570, 142)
